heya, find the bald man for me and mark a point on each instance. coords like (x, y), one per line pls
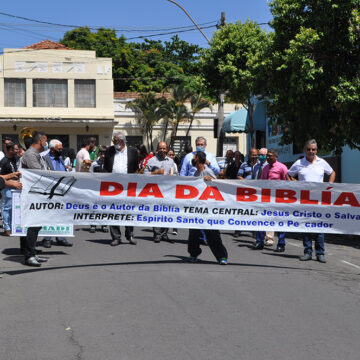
(160, 164)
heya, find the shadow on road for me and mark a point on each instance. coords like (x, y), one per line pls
(177, 260)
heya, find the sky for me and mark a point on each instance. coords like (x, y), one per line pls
(133, 17)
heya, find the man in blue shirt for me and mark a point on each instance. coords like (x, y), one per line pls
(55, 162)
(188, 170)
(249, 168)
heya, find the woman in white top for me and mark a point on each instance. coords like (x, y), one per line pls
(312, 168)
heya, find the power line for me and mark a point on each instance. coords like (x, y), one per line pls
(96, 28)
(169, 33)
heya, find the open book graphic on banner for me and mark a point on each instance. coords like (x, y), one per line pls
(50, 185)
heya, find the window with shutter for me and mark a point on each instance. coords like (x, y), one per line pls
(15, 92)
(85, 93)
(50, 93)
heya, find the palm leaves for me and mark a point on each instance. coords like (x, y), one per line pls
(150, 109)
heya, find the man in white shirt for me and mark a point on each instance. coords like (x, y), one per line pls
(83, 161)
(121, 159)
(312, 168)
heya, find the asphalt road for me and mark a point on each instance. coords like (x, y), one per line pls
(143, 302)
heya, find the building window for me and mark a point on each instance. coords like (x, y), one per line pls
(50, 93)
(15, 92)
(85, 94)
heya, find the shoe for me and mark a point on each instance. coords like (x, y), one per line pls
(258, 246)
(174, 232)
(92, 229)
(192, 259)
(63, 243)
(105, 229)
(321, 258)
(116, 242)
(237, 234)
(280, 249)
(269, 243)
(40, 259)
(157, 239)
(31, 261)
(305, 257)
(46, 243)
(7, 233)
(223, 261)
(132, 240)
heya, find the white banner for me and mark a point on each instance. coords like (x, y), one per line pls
(47, 230)
(51, 198)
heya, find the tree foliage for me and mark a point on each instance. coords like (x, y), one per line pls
(140, 67)
(314, 64)
(234, 62)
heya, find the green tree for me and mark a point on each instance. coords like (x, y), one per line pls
(234, 62)
(315, 71)
(140, 67)
(148, 111)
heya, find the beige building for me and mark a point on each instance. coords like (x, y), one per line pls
(203, 125)
(66, 93)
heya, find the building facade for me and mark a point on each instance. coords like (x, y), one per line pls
(66, 93)
(203, 125)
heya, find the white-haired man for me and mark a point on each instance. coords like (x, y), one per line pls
(55, 162)
(121, 159)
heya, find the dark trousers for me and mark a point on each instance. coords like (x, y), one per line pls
(58, 238)
(29, 242)
(213, 239)
(116, 232)
(319, 243)
(260, 236)
(160, 232)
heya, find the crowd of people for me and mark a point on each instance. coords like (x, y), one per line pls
(262, 164)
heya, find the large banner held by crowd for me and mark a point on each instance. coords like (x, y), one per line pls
(51, 198)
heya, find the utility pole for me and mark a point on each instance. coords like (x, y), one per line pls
(220, 113)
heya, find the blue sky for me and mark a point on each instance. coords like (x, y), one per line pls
(143, 15)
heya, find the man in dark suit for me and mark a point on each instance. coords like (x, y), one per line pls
(55, 162)
(121, 159)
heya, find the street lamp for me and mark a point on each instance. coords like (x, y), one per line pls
(188, 15)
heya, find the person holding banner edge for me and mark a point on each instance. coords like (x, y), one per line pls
(55, 162)
(33, 160)
(312, 168)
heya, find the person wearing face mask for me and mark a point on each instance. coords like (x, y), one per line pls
(187, 169)
(32, 160)
(248, 168)
(121, 159)
(45, 143)
(55, 162)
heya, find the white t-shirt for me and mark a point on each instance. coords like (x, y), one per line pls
(120, 165)
(2, 155)
(82, 155)
(307, 171)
